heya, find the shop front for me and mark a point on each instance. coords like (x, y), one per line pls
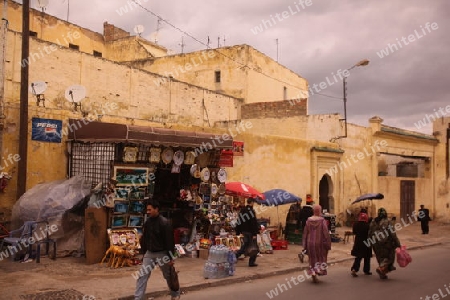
(183, 170)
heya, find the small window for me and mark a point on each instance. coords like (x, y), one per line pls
(284, 93)
(33, 33)
(75, 47)
(97, 54)
(217, 76)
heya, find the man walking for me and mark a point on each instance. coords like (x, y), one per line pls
(248, 226)
(158, 245)
(424, 217)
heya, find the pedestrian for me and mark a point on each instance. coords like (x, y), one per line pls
(384, 242)
(247, 225)
(306, 211)
(424, 218)
(360, 250)
(158, 245)
(317, 242)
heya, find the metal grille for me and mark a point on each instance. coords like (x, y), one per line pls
(92, 160)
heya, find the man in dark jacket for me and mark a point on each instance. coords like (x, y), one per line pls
(158, 247)
(424, 218)
(247, 225)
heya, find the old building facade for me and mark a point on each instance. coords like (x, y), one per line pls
(251, 97)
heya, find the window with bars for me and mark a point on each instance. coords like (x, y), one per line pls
(92, 161)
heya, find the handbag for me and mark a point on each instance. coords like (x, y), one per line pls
(403, 257)
(252, 249)
(173, 282)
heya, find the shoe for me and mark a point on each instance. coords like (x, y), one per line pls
(253, 265)
(367, 273)
(381, 274)
(354, 273)
(176, 298)
(301, 256)
(315, 279)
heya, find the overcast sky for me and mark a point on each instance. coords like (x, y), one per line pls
(316, 39)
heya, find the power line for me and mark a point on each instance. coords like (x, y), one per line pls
(207, 46)
(320, 94)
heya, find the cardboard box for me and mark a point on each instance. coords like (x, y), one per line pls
(203, 253)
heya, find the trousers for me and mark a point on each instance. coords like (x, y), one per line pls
(150, 261)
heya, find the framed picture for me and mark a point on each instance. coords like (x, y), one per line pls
(125, 236)
(137, 207)
(130, 176)
(119, 221)
(121, 207)
(137, 193)
(121, 193)
(136, 221)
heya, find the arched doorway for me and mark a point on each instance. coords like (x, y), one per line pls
(326, 199)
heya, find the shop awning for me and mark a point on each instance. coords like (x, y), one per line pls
(86, 131)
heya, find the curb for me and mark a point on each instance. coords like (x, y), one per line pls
(233, 280)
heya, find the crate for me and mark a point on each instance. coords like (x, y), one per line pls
(279, 244)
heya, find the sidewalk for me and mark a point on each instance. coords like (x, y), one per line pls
(72, 277)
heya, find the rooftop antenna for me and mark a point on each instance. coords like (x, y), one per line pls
(224, 39)
(138, 29)
(182, 44)
(218, 42)
(42, 4)
(277, 48)
(208, 43)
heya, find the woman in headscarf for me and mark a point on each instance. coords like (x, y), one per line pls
(384, 240)
(317, 242)
(360, 249)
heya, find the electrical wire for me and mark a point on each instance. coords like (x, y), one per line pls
(137, 2)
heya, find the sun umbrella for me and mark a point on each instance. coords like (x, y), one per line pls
(371, 196)
(241, 189)
(277, 197)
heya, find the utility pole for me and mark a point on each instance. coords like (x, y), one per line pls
(23, 130)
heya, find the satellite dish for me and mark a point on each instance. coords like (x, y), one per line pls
(42, 3)
(139, 29)
(37, 87)
(75, 93)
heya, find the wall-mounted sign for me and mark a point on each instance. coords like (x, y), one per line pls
(46, 130)
(238, 148)
(226, 158)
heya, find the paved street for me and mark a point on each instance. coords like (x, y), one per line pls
(72, 276)
(426, 275)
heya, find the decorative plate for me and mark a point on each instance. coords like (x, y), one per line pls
(130, 154)
(195, 171)
(189, 158)
(205, 174)
(167, 155)
(222, 175)
(222, 189)
(214, 189)
(178, 157)
(155, 155)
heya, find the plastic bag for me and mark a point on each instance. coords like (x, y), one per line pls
(403, 257)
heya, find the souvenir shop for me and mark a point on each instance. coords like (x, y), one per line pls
(133, 164)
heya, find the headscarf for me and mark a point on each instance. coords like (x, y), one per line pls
(363, 217)
(317, 209)
(382, 214)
